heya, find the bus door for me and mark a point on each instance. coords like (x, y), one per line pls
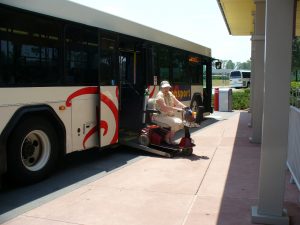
(131, 90)
(108, 116)
(207, 86)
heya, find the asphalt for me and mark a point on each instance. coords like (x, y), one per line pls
(217, 185)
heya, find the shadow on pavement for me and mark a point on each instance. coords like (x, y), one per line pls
(77, 169)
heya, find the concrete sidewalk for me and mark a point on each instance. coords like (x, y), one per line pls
(217, 185)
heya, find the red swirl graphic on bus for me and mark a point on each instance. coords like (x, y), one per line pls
(82, 91)
(114, 110)
(103, 124)
(117, 93)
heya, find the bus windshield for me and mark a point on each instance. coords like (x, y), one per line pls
(235, 74)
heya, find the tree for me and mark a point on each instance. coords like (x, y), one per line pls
(230, 65)
(244, 65)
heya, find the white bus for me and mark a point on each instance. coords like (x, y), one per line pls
(73, 78)
(240, 78)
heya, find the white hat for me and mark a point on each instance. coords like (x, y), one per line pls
(164, 84)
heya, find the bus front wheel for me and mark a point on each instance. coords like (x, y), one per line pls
(32, 150)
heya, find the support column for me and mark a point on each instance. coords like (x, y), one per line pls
(258, 41)
(252, 81)
(279, 27)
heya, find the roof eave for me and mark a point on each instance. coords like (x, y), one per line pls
(224, 17)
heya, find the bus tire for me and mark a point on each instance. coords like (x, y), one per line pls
(196, 102)
(33, 149)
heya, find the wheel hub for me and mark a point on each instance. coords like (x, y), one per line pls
(28, 149)
(35, 150)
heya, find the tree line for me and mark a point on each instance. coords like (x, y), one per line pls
(229, 64)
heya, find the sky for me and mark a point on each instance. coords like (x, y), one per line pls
(199, 21)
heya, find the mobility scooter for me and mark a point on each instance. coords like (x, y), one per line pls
(152, 135)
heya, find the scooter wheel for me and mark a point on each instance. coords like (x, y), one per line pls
(144, 140)
(187, 151)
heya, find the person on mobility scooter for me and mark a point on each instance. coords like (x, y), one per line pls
(167, 104)
(164, 123)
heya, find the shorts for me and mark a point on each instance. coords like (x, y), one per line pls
(172, 121)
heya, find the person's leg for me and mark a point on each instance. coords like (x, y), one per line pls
(174, 122)
(167, 137)
(171, 137)
(176, 125)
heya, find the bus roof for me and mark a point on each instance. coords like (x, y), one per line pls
(72, 11)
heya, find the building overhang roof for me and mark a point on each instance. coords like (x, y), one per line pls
(239, 16)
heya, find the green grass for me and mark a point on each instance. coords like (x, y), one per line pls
(240, 99)
(218, 83)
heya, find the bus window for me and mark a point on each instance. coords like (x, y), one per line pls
(164, 63)
(30, 49)
(195, 71)
(153, 66)
(179, 64)
(81, 56)
(204, 75)
(108, 74)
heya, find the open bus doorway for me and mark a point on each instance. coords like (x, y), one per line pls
(131, 91)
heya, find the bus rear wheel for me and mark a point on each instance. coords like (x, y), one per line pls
(32, 150)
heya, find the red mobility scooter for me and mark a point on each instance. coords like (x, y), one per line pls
(152, 135)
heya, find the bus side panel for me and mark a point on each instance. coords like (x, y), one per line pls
(109, 115)
(84, 122)
(76, 101)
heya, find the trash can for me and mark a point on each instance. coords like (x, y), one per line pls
(225, 99)
(216, 99)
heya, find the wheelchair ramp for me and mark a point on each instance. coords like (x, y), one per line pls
(130, 139)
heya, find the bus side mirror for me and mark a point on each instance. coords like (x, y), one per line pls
(218, 65)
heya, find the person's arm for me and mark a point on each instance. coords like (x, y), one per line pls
(178, 103)
(165, 108)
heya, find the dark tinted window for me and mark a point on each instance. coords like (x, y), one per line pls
(246, 74)
(81, 55)
(153, 67)
(30, 49)
(163, 63)
(235, 74)
(108, 73)
(195, 70)
(179, 67)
